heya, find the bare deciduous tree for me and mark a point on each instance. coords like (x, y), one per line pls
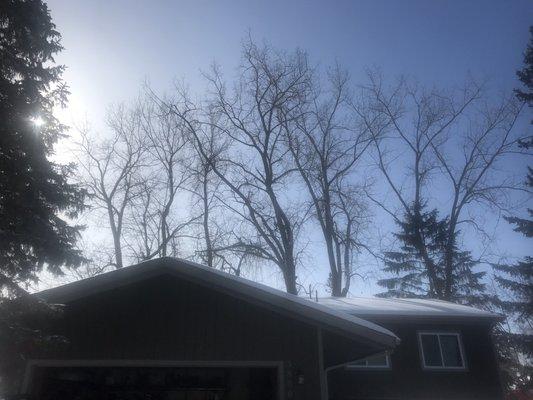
(326, 146)
(109, 170)
(206, 188)
(351, 222)
(426, 127)
(158, 223)
(255, 169)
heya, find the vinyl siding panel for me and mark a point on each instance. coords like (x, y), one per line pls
(164, 318)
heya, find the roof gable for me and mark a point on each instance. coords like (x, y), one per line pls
(259, 294)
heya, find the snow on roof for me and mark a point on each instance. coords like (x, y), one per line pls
(396, 307)
(291, 305)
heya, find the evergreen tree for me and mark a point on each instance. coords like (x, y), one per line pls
(526, 74)
(418, 266)
(35, 196)
(515, 340)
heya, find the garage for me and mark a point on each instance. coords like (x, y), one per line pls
(155, 382)
(172, 329)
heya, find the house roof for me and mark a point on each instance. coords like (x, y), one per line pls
(377, 307)
(291, 305)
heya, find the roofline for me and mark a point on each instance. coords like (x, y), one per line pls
(485, 316)
(412, 317)
(292, 305)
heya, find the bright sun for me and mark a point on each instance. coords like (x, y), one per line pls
(37, 121)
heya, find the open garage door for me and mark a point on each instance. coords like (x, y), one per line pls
(154, 383)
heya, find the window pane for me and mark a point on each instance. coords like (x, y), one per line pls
(450, 351)
(377, 361)
(360, 363)
(430, 347)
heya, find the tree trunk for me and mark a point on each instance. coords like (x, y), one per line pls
(289, 275)
(207, 233)
(336, 283)
(115, 231)
(448, 261)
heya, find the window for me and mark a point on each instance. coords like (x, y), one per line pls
(441, 350)
(381, 361)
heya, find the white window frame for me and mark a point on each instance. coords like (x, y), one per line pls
(443, 367)
(372, 367)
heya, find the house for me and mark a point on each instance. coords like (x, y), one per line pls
(173, 329)
(446, 352)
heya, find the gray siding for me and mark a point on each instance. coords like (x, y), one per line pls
(164, 318)
(406, 380)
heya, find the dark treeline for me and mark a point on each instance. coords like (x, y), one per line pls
(243, 175)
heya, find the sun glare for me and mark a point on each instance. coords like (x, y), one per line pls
(37, 121)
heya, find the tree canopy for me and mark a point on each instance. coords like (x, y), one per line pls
(515, 341)
(36, 197)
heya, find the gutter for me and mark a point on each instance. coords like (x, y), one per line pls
(334, 367)
(324, 372)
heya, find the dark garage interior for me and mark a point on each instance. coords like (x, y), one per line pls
(155, 383)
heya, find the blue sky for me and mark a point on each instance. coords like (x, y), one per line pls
(112, 46)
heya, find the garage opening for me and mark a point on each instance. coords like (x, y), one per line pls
(155, 383)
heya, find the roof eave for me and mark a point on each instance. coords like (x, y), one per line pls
(317, 314)
(496, 318)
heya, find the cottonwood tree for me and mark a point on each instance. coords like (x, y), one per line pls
(326, 147)
(110, 171)
(351, 217)
(255, 168)
(168, 159)
(456, 141)
(210, 227)
(215, 227)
